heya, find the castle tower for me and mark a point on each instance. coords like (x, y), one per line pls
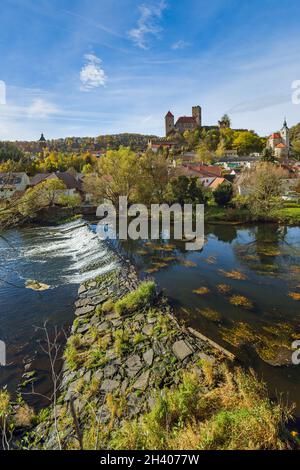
(197, 115)
(285, 135)
(42, 141)
(170, 123)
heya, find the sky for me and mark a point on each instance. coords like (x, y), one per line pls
(92, 67)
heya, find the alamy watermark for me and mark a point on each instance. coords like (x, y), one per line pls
(296, 354)
(2, 353)
(137, 222)
(2, 92)
(296, 92)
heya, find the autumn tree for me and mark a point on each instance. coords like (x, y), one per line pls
(264, 186)
(44, 195)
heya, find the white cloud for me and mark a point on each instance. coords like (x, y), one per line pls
(41, 109)
(92, 75)
(179, 45)
(148, 24)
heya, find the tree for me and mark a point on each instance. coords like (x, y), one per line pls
(267, 155)
(153, 179)
(264, 186)
(204, 154)
(220, 152)
(247, 142)
(225, 121)
(223, 194)
(117, 174)
(45, 194)
(184, 190)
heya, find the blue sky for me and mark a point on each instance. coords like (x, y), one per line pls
(90, 67)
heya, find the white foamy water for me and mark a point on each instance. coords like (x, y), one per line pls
(71, 253)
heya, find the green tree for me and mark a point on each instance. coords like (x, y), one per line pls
(267, 155)
(204, 154)
(225, 121)
(184, 190)
(223, 194)
(45, 194)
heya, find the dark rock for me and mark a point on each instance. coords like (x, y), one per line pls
(84, 310)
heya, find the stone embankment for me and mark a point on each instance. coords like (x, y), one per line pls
(125, 359)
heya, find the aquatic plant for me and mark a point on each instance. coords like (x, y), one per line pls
(234, 274)
(224, 288)
(202, 291)
(241, 301)
(294, 295)
(210, 314)
(211, 260)
(239, 335)
(188, 264)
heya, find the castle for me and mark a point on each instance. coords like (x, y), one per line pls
(184, 123)
(279, 142)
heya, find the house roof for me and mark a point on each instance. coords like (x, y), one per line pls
(281, 146)
(216, 183)
(186, 120)
(37, 179)
(275, 135)
(69, 180)
(214, 170)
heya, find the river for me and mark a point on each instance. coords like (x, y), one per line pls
(241, 290)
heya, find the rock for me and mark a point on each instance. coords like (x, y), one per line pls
(142, 381)
(148, 357)
(84, 310)
(92, 285)
(87, 376)
(103, 326)
(124, 386)
(82, 289)
(207, 358)
(109, 385)
(109, 371)
(83, 329)
(98, 300)
(182, 350)
(148, 330)
(83, 302)
(98, 375)
(134, 365)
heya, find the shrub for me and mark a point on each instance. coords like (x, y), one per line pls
(223, 194)
(139, 299)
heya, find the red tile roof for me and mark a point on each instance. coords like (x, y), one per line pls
(275, 135)
(186, 120)
(169, 114)
(280, 146)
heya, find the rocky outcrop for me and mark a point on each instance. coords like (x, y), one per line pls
(122, 359)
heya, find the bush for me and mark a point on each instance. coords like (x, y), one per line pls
(223, 194)
(139, 299)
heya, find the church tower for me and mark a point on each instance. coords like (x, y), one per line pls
(170, 123)
(285, 135)
(197, 115)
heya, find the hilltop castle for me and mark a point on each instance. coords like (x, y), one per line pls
(184, 123)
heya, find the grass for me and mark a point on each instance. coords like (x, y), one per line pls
(288, 215)
(210, 314)
(139, 299)
(236, 414)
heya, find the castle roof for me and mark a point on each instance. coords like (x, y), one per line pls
(42, 139)
(186, 120)
(169, 114)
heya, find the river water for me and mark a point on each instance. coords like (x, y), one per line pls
(259, 264)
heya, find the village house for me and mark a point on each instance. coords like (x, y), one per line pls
(73, 185)
(13, 184)
(156, 145)
(209, 176)
(233, 163)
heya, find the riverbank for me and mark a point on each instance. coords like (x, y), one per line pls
(228, 215)
(134, 378)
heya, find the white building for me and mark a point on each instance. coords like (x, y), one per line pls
(12, 183)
